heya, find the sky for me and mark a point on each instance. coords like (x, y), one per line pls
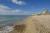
(22, 7)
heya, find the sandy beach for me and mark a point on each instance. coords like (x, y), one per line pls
(37, 24)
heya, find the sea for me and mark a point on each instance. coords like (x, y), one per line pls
(10, 19)
(7, 20)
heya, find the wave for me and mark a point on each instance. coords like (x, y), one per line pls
(7, 29)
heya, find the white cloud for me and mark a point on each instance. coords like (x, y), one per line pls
(18, 2)
(5, 7)
(4, 10)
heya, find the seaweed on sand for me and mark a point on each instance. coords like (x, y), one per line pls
(19, 28)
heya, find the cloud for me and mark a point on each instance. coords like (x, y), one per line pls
(5, 10)
(5, 7)
(18, 2)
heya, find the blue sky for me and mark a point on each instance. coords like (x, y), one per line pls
(22, 7)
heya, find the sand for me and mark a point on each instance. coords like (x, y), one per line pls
(37, 24)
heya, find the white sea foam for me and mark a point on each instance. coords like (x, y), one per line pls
(7, 29)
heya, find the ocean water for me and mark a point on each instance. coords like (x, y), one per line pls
(9, 19)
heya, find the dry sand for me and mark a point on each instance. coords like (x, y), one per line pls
(37, 24)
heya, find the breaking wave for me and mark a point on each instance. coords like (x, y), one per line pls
(7, 29)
